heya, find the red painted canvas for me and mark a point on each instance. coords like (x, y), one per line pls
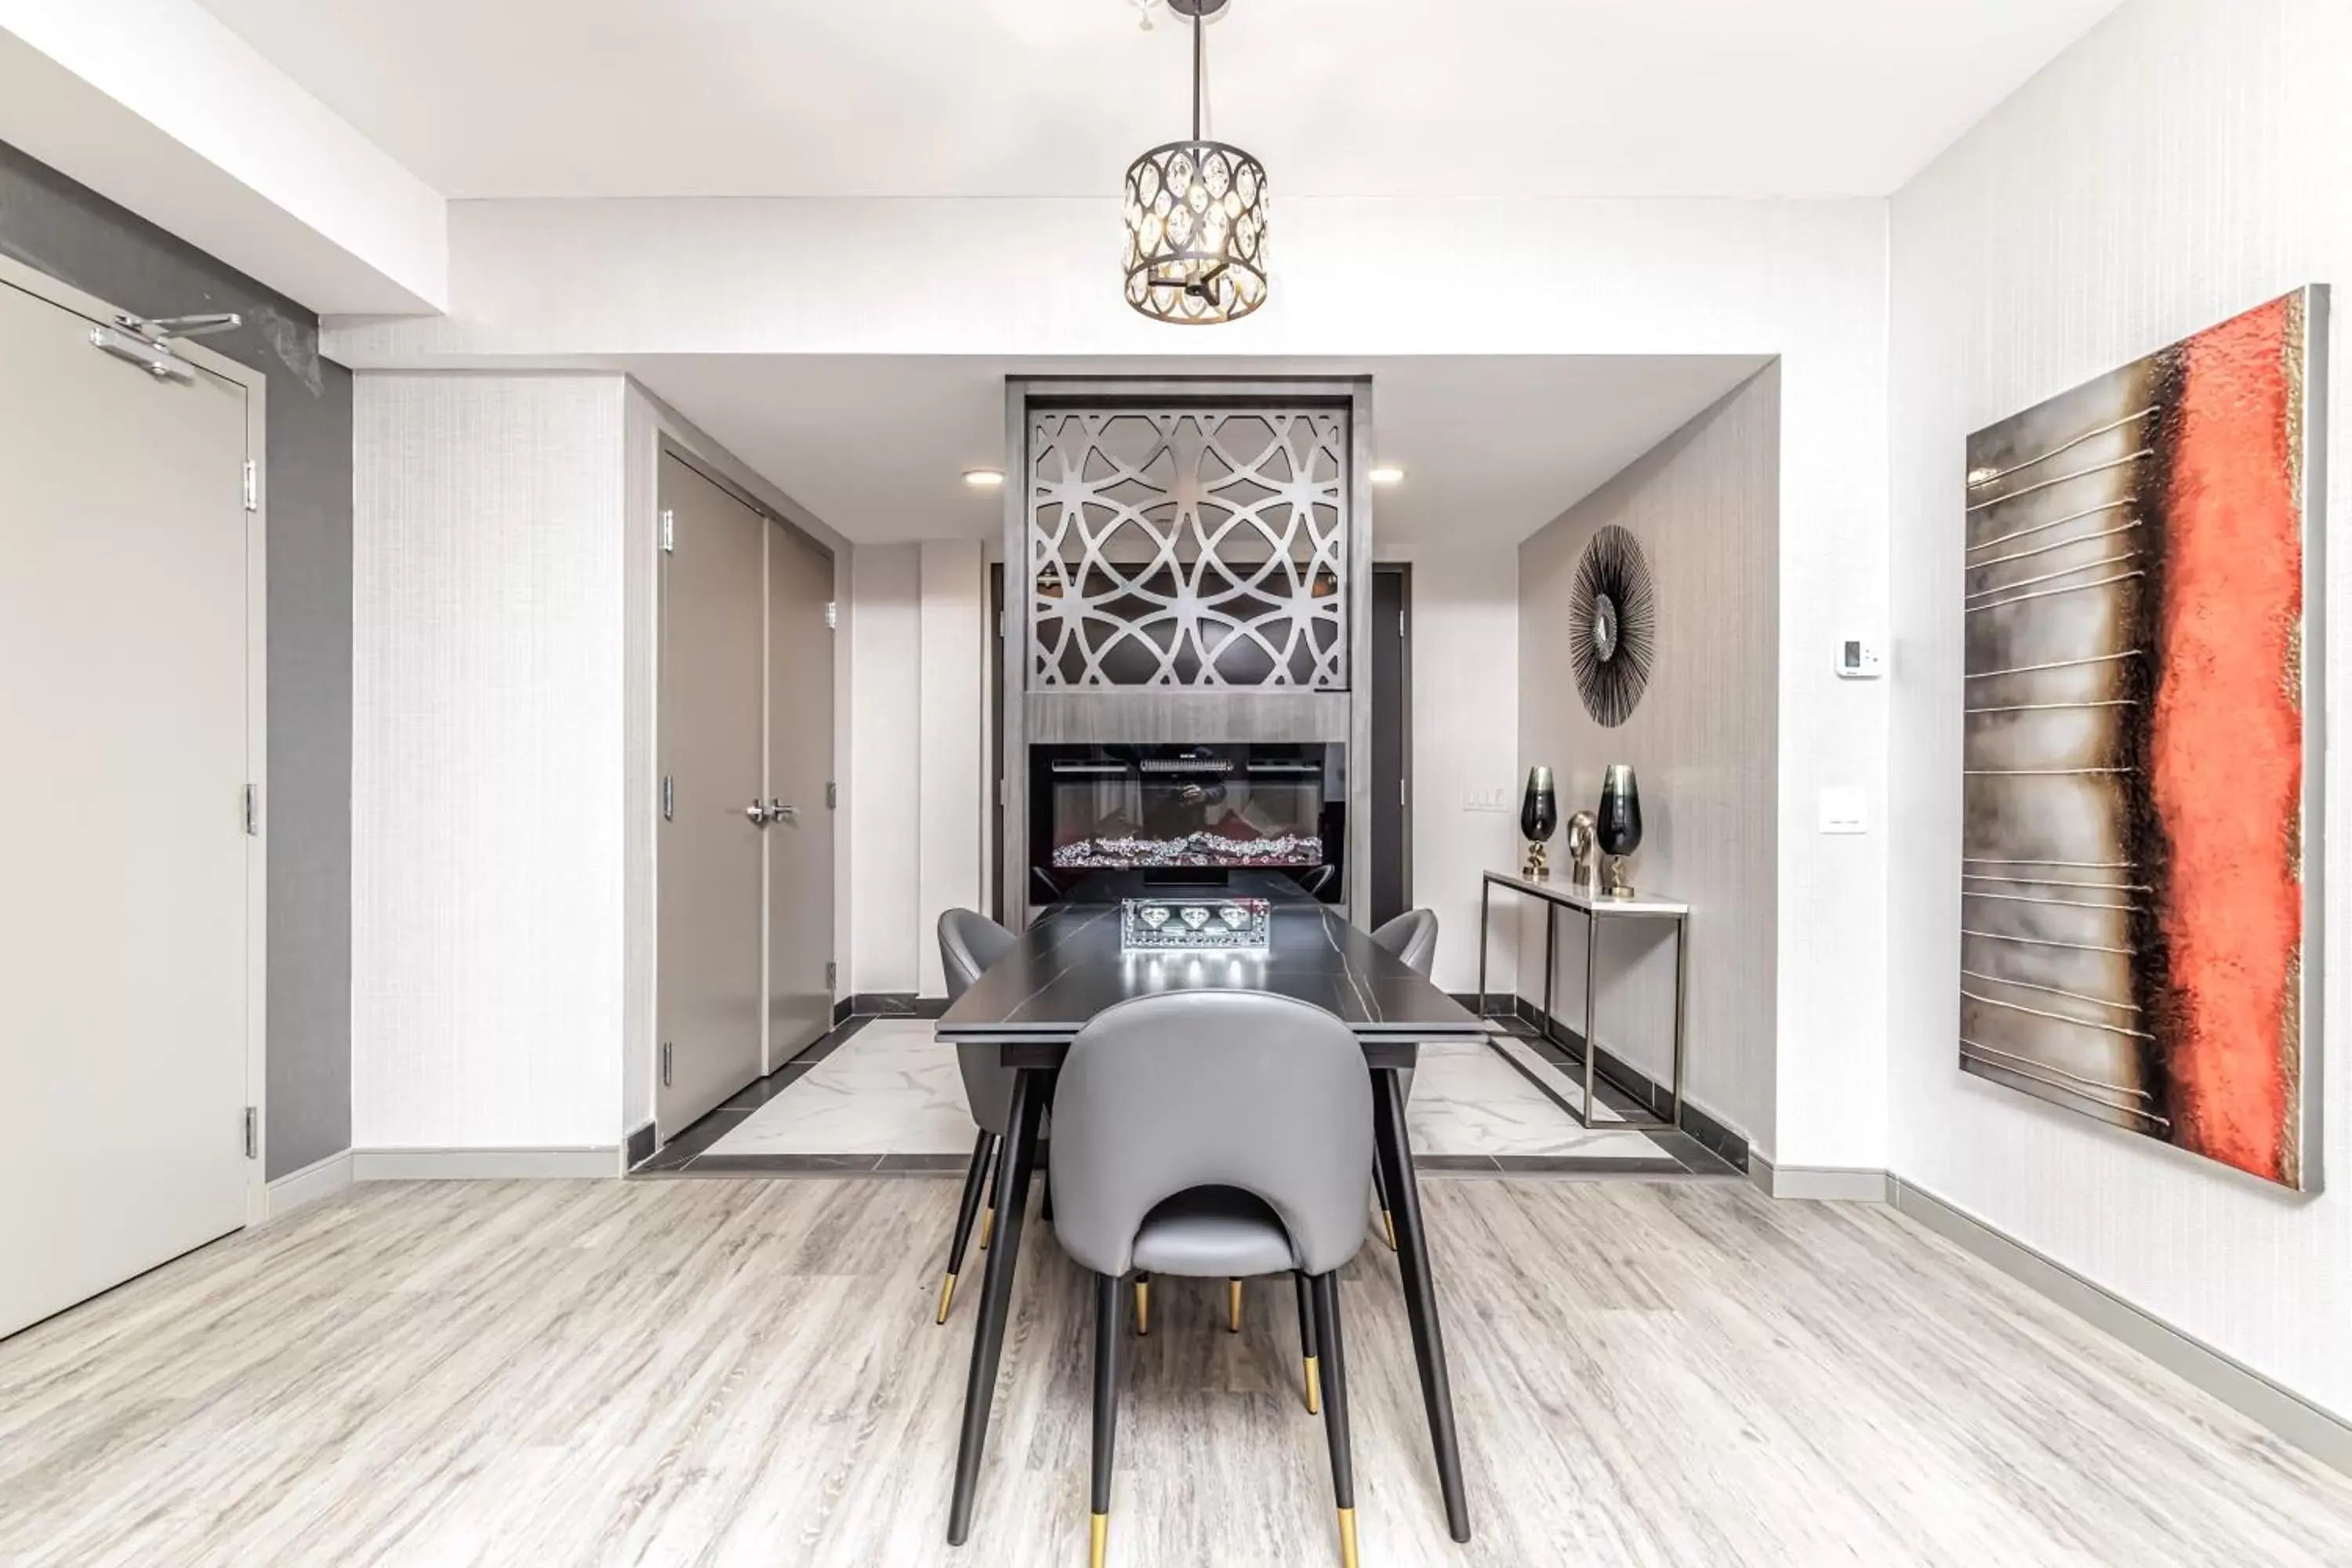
(2140, 833)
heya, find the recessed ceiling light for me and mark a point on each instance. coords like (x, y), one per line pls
(984, 479)
(1388, 476)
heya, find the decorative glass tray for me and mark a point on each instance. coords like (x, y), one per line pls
(1193, 925)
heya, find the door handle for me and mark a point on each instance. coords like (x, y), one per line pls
(758, 814)
(779, 811)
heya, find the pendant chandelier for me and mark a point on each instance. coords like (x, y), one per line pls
(1196, 218)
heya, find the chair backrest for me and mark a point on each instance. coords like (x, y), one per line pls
(968, 942)
(1202, 1089)
(1413, 937)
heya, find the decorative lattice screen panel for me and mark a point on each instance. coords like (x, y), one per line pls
(1188, 547)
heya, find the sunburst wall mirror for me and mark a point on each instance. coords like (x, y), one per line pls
(1612, 626)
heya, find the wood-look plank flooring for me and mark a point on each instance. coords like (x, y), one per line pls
(729, 1372)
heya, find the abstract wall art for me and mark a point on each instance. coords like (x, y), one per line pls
(2141, 833)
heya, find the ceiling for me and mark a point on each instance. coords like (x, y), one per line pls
(1492, 446)
(1479, 98)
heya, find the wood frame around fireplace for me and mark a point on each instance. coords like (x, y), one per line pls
(1207, 714)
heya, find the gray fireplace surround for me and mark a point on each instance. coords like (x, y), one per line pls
(1187, 561)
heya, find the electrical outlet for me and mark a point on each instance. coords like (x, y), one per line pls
(1844, 810)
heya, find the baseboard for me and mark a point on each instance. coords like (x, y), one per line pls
(842, 1010)
(319, 1179)
(483, 1164)
(1818, 1184)
(639, 1146)
(896, 1004)
(2319, 1432)
(1720, 1137)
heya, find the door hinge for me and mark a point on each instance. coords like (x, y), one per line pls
(1000, 792)
(832, 795)
(669, 531)
(252, 486)
(831, 615)
(664, 1064)
(253, 811)
(669, 798)
(832, 973)
(252, 1133)
(999, 625)
(1400, 623)
(1399, 791)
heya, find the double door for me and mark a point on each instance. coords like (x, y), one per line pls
(130, 860)
(745, 881)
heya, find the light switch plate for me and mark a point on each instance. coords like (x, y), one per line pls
(1844, 810)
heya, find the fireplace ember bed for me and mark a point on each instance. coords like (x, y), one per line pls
(1108, 820)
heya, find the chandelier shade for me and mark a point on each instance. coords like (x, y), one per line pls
(1196, 216)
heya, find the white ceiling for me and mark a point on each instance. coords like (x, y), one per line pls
(1556, 97)
(1493, 447)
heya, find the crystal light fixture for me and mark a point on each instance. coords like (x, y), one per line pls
(1196, 218)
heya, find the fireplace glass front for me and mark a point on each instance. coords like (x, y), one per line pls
(1111, 820)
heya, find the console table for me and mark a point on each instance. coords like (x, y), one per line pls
(1595, 908)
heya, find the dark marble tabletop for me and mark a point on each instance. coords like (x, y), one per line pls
(1068, 967)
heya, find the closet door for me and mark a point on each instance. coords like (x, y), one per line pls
(124, 855)
(800, 779)
(709, 843)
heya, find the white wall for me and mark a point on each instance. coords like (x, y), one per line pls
(486, 956)
(2189, 159)
(543, 281)
(885, 765)
(1465, 686)
(953, 705)
(921, 764)
(158, 105)
(1703, 503)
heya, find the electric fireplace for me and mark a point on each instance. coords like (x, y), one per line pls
(1112, 821)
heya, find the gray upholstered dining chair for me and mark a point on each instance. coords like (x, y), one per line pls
(968, 942)
(1215, 1133)
(1413, 937)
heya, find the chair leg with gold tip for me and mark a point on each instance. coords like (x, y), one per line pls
(1143, 1304)
(1326, 1291)
(974, 1182)
(1232, 1306)
(1306, 1345)
(1107, 1336)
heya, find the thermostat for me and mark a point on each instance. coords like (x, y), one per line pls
(1857, 660)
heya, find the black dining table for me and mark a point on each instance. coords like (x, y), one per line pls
(1067, 968)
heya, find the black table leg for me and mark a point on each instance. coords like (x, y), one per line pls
(1395, 1151)
(996, 1292)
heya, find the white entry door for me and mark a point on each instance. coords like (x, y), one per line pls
(124, 855)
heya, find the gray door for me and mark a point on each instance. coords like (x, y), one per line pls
(125, 861)
(709, 838)
(800, 776)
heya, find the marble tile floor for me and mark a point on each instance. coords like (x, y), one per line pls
(883, 1095)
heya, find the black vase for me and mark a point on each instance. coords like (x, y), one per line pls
(1539, 812)
(1538, 816)
(1619, 830)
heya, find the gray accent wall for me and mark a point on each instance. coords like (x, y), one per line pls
(1704, 743)
(73, 234)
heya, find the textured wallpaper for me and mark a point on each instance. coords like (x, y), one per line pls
(486, 810)
(1703, 741)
